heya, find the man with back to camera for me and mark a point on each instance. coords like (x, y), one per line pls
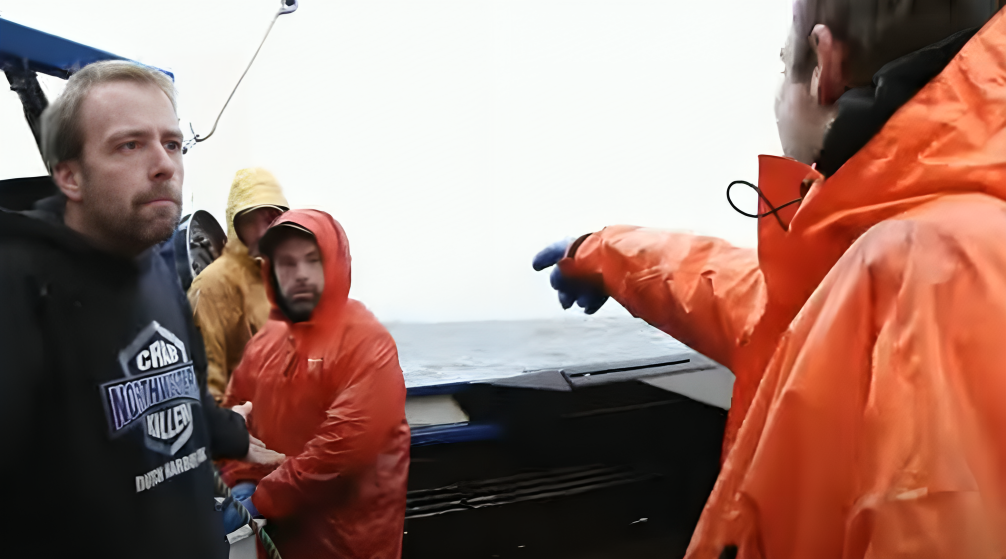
(867, 416)
(328, 392)
(103, 397)
(228, 299)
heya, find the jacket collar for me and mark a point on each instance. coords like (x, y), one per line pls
(948, 138)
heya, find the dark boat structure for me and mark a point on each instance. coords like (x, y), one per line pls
(586, 437)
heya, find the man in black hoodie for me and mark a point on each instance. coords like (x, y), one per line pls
(107, 425)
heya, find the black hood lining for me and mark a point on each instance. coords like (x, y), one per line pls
(863, 111)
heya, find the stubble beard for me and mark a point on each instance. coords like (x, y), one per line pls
(301, 311)
(803, 123)
(127, 227)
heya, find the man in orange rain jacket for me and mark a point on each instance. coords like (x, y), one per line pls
(865, 334)
(328, 392)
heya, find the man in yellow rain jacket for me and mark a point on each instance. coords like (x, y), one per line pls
(865, 332)
(228, 298)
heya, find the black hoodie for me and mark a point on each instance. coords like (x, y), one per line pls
(107, 429)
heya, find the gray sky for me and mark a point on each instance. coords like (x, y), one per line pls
(454, 139)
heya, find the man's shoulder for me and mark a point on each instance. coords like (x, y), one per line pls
(217, 271)
(219, 277)
(363, 334)
(272, 333)
(18, 227)
(26, 241)
(266, 342)
(950, 231)
(359, 318)
(972, 216)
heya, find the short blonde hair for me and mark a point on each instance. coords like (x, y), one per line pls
(62, 136)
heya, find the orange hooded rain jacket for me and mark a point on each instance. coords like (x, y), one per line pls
(869, 410)
(330, 395)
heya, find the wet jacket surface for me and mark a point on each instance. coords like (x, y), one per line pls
(104, 402)
(865, 339)
(329, 393)
(228, 297)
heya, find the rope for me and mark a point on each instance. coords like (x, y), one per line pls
(774, 211)
(196, 138)
(223, 491)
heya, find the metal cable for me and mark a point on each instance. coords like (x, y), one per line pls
(196, 138)
(223, 491)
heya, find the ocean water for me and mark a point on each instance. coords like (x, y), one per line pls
(442, 353)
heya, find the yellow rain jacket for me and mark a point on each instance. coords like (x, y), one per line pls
(869, 412)
(228, 298)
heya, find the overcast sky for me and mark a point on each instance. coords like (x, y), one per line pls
(454, 139)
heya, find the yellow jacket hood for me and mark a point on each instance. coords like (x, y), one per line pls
(252, 188)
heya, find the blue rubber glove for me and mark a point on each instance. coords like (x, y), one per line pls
(240, 496)
(243, 490)
(249, 506)
(231, 517)
(586, 295)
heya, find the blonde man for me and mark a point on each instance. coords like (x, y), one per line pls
(103, 397)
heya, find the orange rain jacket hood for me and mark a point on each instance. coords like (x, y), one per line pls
(868, 418)
(330, 395)
(228, 299)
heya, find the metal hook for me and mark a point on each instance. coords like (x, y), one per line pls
(286, 7)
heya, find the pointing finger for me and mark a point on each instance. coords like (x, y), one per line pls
(550, 255)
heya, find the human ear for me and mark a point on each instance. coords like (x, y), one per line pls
(67, 177)
(828, 82)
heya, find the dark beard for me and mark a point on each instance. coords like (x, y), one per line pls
(302, 312)
(301, 315)
(131, 232)
(134, 233)
(802, 123)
